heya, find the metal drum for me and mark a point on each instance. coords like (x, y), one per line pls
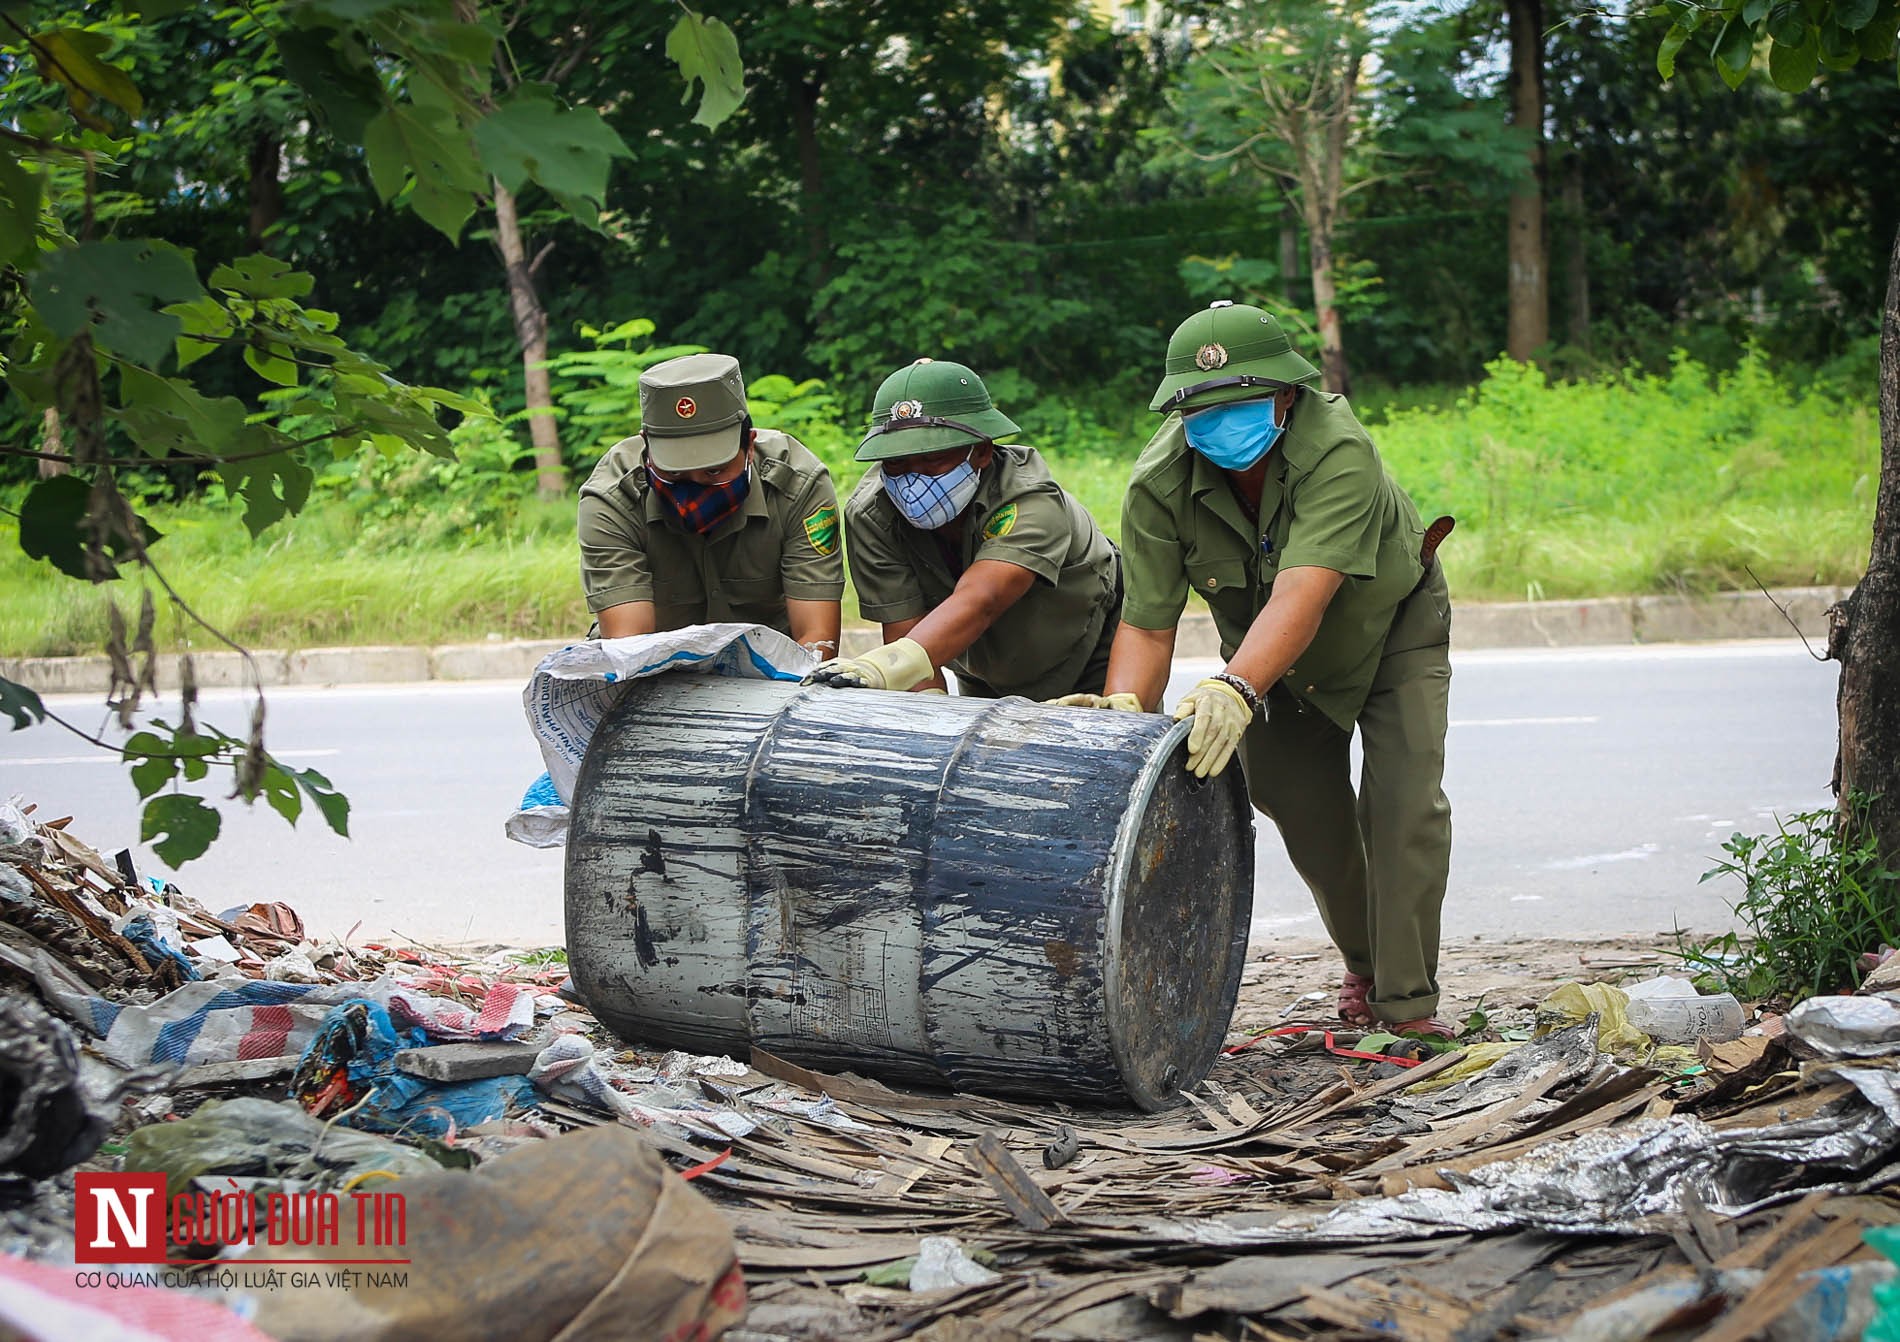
(986, 894)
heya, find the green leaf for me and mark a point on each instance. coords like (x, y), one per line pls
(1853, 15)
(334, 805)
(1840, 49)
(190, 827)
(1793, 68)
(1788, 23)
(280, 790)
(344, 88)
(705, 50)
(567, 150)
(52, 523)
(272, 488)
(1666, 52)
(152, 773)
(269, 362)
(70, 57)
(167, 414)
(1734, 49)
(20, 704)
(1754, 12)
(262, 276)
(401, 145)
(19, 210)
(1876, 40)
(203, 316)
(112, 287)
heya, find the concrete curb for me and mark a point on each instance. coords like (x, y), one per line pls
(1515, 624)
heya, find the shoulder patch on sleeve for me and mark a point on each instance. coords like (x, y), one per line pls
(1001, 522)
(821, 529)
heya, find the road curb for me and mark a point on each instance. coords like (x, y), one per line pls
(1512, 624)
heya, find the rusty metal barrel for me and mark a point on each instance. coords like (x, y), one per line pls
(989, 895)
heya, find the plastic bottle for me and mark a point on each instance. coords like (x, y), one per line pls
(1717, 1018)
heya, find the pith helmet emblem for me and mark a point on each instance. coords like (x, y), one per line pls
(687, 407)
(1210, 356)
(908, 410)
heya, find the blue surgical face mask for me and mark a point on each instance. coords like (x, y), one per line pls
(931, 501)
(1233, 436)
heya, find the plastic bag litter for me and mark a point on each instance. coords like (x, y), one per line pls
(142, 931)
(941, 1262)
(50, 1119)
(352, 1063)
(292, 967)
(41, 1302)
(1569, 1003)
(1846, 1027)
(1885, 1325)
(572, 689)
(570, 1068)
(588, 1237)
(567, 1069)
(268, 1139)
(1837, 1304)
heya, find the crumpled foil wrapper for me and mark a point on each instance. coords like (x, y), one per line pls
(1628, 1180)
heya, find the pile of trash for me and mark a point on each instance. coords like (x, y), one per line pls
(1633, 1160)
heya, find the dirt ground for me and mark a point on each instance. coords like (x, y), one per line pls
(1508, 977)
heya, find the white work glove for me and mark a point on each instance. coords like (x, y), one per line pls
(902, 665)
(1123, 702)
(1220, 718)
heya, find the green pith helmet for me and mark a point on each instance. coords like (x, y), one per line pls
(1230, 352)
(927, 406)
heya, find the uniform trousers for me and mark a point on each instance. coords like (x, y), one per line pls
(1377, 859)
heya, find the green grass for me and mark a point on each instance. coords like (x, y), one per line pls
(1682, 483)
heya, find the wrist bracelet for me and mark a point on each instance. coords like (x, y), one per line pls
(1241, 687)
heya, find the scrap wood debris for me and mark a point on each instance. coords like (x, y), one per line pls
(1582, 1183)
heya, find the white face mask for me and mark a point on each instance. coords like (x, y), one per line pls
(931, 501)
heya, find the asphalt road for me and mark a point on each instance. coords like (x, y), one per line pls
(1590, 790)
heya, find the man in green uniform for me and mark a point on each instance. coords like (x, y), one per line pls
(969, 553)
(1265, 496)
(700, 518)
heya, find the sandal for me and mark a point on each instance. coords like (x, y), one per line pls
(1353, 991)
(1429, 1026)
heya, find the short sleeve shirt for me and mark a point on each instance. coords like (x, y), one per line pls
(1020, 515)
(783, 542)
(1327, 502)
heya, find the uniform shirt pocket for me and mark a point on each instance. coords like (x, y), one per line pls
(1214, 577)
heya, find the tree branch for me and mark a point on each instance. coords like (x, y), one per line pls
(8, 450)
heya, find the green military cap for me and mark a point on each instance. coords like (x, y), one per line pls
(690, 411)
(927, 406)
(1230, 352)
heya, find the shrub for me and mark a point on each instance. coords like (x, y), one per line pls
(1815, 898)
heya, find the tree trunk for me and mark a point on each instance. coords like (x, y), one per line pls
(1577, 261)
(51, 441)
(1864, 630)
(1289, 251)
(1529, 253)
(811, 176)
(1332, 347)
(267, 193)
(531, 332)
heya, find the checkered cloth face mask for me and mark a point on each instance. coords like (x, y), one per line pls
(932, 501)
(701, 508)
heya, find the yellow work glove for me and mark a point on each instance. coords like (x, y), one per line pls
(1220, 718)
(1124, 702)
(902, 665)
